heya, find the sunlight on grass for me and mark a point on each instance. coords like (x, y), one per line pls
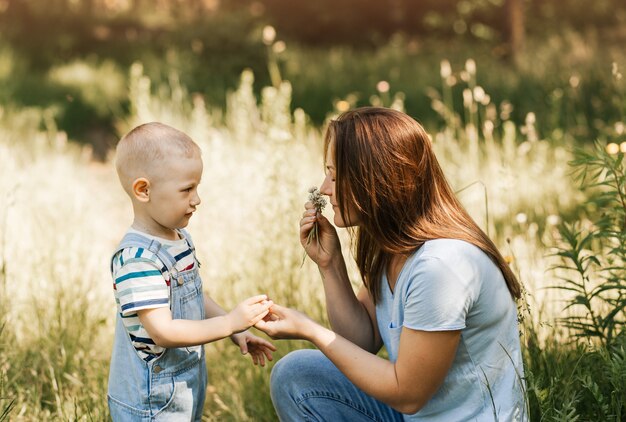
(64, 213)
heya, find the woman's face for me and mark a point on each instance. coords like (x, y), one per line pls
(329, 188)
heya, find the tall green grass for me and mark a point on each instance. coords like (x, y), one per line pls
(64, 214)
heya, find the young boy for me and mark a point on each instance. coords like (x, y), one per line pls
(158, 364)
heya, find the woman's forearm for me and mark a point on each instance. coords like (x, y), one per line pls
(347, 315)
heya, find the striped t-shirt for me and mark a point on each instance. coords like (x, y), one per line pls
(141, 281)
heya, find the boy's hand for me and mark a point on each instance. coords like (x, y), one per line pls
(248, 313)
(259, 348)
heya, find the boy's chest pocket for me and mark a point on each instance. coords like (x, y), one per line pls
(191, 305)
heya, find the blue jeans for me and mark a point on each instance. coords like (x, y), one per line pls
(307, 386)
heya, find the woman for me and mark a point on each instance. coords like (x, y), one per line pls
(436, 292)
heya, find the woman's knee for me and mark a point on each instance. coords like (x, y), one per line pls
(296, 370)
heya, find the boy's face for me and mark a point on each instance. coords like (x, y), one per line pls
(174, 194)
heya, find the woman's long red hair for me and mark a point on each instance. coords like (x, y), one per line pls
(387, 172)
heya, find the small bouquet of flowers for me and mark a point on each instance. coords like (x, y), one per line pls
(319, 202)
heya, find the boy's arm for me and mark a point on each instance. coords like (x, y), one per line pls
(211, 308)
(168, 332)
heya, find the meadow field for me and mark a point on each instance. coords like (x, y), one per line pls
(63, 213)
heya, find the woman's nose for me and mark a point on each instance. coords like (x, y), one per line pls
(326, 188)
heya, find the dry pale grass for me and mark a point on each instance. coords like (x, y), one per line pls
(62, 215)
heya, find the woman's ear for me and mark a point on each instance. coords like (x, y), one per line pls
(141, 189)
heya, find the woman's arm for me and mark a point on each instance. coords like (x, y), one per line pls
(424, 359)
(352, 316)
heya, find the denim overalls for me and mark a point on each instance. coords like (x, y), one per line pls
(172, 386)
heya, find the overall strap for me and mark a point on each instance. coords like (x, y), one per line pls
(185, 235)
(135, 240)
(187, 238)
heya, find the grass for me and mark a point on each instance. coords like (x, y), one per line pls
(64, 214)
(564, 76)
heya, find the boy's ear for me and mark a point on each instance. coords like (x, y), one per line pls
(141, 189)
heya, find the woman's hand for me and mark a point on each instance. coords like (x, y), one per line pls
(260, 349)
(286, 323)
(326, 246)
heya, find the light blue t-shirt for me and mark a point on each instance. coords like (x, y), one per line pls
(453, 285)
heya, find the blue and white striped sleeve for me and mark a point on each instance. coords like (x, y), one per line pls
(139, 283)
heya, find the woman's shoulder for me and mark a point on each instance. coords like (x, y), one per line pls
(445, 248)
(450, 267)
(453, 256)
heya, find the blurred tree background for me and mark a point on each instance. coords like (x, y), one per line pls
(550, 57)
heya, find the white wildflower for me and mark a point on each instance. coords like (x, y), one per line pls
(317, 198)
(319, 202)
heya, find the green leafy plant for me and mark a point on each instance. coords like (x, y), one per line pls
(593, 251)
(569, 382)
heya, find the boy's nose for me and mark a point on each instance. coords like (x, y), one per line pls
(195, 201)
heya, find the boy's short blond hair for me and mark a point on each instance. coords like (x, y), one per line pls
(142, 151)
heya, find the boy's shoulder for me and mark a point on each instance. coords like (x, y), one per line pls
(135, 256)
(141, 248)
